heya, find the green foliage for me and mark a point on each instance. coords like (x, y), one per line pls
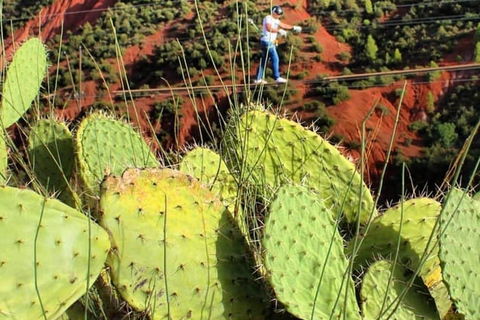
(371, 48)
(331, 91)
(397, 56)
(418, 126)
(368, 7)
(433, 75)
(476, 52)
(444, 134)
(170, 107)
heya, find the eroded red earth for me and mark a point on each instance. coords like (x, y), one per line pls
(349, 115)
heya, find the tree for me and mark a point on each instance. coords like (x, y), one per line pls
(368, 6)
(430, 102)
(397, 56)
(476, 52)
(476, 36)
(371, 48)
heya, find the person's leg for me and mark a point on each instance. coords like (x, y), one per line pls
(272, 51)
(263, 61)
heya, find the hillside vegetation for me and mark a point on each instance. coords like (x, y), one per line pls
(381, 36)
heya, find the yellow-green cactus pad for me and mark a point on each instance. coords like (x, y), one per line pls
(381, 295)
(177, 254)
(460, 251)
(24, 78)
(51, 153)
(3, 159)
(105, 145)
(419, 218)
(304, 257)
(49, 252)
(273, 151)
(208, 167)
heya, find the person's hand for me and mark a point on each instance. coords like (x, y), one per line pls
(297, 29)
(282, 32)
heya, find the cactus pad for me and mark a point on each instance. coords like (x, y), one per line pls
(24, 78)
(275, 151)
(302, 245)
(209, 168)
(49, 246)
(3, 159)
(460, 250)
(379, 295)
(105, 145)
(51, 153)
(419, 218)
(177, 254)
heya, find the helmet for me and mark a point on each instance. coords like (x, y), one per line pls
(278, 10)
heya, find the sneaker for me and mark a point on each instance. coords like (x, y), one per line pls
(280, 80)
(260, 81)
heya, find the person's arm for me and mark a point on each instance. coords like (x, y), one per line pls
(281, 25)
(285, 26)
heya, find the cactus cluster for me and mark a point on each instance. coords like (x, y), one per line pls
(276, 150)
(177, 243)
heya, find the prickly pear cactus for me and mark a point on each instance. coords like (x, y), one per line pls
(50, 149)
(459, 251)
(381, 292)
(24, 78)
(3, 160)
(177, 254)
(419, 218)
(48, 252)
(105, 145)
(436, 286)
(304, 257)
(208, 167)
(273, 150)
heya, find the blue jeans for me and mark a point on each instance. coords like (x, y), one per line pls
(269, 51)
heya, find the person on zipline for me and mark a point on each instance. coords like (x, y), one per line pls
(271, 27)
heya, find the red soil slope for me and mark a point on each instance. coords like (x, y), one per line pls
(348, 115)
